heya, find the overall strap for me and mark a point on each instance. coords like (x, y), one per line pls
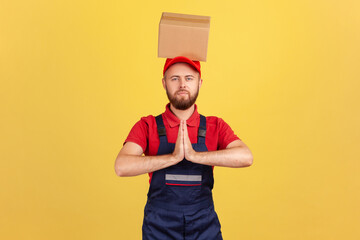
(161, 128)
(202, 130)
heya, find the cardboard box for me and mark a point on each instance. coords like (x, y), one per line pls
(183, 35)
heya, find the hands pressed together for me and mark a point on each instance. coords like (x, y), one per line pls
(183, 148)
(130, 162)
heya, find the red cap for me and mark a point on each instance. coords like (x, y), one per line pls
(171, 61)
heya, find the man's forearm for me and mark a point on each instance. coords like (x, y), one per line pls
(231, 157)
(132, 165)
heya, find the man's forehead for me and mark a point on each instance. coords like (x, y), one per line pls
(182, 67)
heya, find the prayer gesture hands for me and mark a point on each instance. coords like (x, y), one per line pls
(183, 148)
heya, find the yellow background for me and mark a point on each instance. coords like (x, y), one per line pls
(76, 75)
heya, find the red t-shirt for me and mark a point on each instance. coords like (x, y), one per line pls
(144, 132)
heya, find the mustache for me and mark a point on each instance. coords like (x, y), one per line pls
(182, 91)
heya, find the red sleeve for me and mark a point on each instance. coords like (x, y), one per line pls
(139, 134)
(226, 134)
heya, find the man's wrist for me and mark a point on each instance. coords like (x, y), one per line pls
(174, 158)
(194, 157)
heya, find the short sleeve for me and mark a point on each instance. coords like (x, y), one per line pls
(139, 134)
(226, 134)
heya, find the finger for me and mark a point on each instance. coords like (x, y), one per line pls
(179, 137)
(183, 131)
(179, 140)
(184, 124)
(184, 127)
(179, 145)
(182, 137)
(186, 130)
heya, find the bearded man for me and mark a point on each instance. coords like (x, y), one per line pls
(181, 148)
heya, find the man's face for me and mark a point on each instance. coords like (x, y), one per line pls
(182, 84)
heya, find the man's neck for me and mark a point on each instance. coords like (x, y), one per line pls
(182, 114)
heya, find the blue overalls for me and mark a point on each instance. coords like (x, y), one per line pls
(180, 204)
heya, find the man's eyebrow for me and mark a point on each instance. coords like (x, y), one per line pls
(174, 76)
(179, 76)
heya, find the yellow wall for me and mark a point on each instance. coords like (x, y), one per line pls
(76, 75)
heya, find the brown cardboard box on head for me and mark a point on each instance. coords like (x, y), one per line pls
(183, 35)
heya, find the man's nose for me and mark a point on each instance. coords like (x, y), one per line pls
(182, 82)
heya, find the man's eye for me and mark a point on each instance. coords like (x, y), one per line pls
(189, 78)
(174, 79)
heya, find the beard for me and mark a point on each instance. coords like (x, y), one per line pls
(182, 104)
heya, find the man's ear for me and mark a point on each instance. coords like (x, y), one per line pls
(163, 82)
(200, 82)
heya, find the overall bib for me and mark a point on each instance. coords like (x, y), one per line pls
(180, 204)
